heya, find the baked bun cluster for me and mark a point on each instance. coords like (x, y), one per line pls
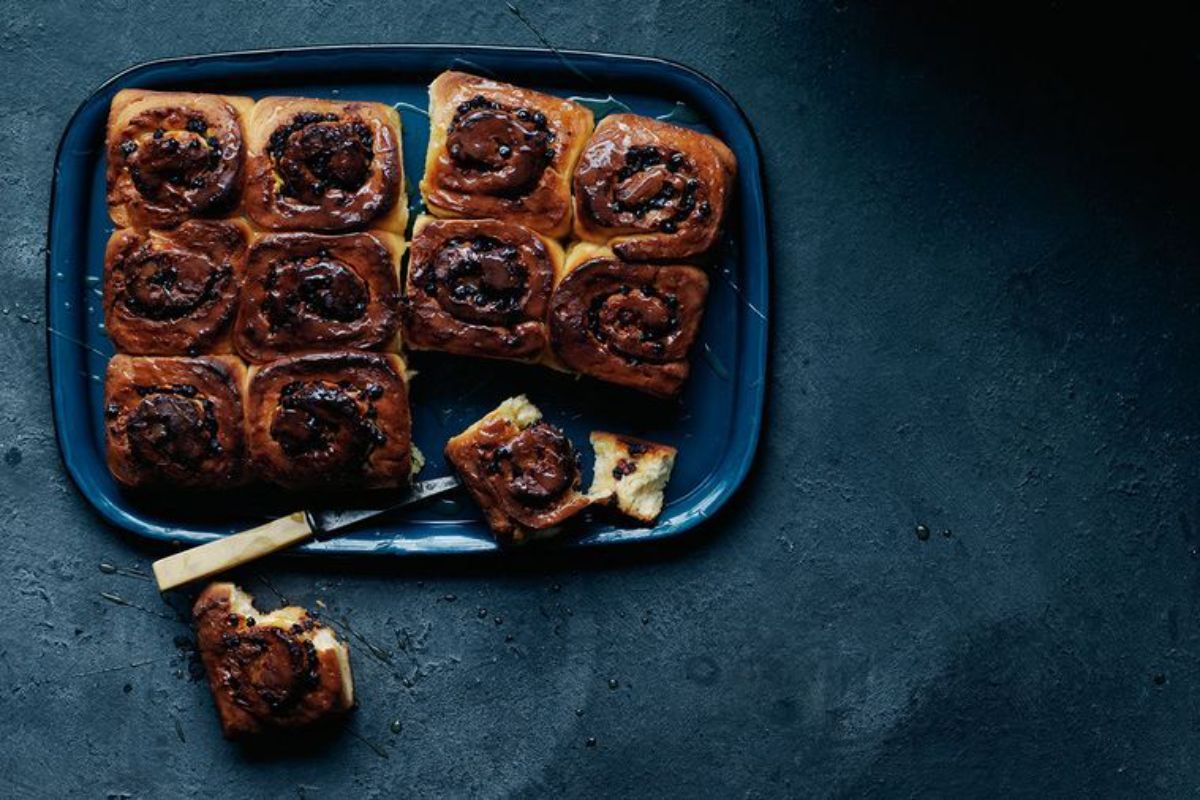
(255, 273)
(634, 200)
(252, 289)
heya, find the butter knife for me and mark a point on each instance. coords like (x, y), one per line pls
(236, 549)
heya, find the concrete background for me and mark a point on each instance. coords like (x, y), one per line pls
(985, 321)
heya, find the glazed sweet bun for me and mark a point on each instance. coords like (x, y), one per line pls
(633, 471)
(651, 190)
(626, 323)
(522, 471)
(269, 671)
(175, 422)
(307, 292)
(479, 288)
(174, 156)
(498, 151)
(323, 165)
(337, 420)
(173, 292)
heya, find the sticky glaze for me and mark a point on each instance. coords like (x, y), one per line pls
(631, 324)
(323, 166)
(478, 287)
(172, 292)
(172, 157)
(175, 421)
(331, 420)
(656, 190)
(304, 292)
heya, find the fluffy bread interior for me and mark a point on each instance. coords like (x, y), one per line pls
(517, 411)
(633, 471)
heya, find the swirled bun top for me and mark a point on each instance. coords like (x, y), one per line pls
(337, 420)
(175, 422)
(269, 671)
(479, 288)
(324, 165)
(632, 324)
(308, 292)
(173, 292)
(174, 156)
(651, 190)
(523, 471)
(502, 152)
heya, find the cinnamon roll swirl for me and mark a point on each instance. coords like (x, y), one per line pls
(651, 190)
(479, 288)
(305, 292)
(522, 471)
(498, 151)
(173, 292)
(331, 420)
(322, 165)
(175, 421)
(173, 156)
(269, 672)
(629, 324)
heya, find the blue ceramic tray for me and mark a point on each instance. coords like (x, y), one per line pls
(715, 424)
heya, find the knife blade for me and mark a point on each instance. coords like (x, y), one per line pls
(234, 550)
(322, 522)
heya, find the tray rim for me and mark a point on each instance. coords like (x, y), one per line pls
(702, 510)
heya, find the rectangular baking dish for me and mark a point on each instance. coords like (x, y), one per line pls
(715, 424)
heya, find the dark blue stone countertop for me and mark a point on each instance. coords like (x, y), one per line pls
(986, 322)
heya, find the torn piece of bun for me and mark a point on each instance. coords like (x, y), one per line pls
(269, 671)
(634, 471)
(522, 471)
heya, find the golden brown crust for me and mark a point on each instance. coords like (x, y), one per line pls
(629, 324)
(523, 472)
(479, 288)
(323, 165)
(652, 190)
(498, 151)
(175, 421)
(174, 156)
(276, 671)
(331, 420)
(306, 292)
(173, 292)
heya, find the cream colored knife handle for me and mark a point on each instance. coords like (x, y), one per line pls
(230, 551)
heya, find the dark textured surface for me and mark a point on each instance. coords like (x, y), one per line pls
(986, 321)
